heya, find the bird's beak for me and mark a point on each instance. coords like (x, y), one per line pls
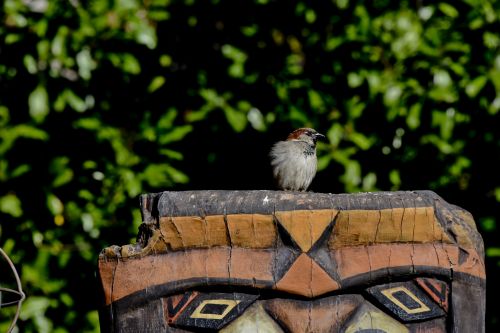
(319, 136)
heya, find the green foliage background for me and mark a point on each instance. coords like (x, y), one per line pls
(103, 100)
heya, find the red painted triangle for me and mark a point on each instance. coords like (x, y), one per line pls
(305, 277)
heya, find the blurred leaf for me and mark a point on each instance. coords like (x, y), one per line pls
(146, 35)
(295, 64)
(30, 64)
(414, 115)
(442, 145)
(30, 132)
(256, 119)
(316, 101)
(39, 104)
(88, 123)
(448, 9)
(177, 175)
(392, 95)
(238, 57)
(126, 61)
(157, 82)
(369, 182)
(85, 63)
(20, 170)
(352, 175)
(35, 307)
(171, 154)
(235, 118)
(165, 60)
(497, 192)
(130, 64)
(493, 252)
(323, 162)
(10, 204)
(132, 183)
(54, 204)
(335, 134)
(65, 176)
(158, 175)
(297, 115)
(361, 141)
(167, 119)
(74, 101)
(475, 86)
(395, 178)
(488, 223)
(354, 80)
(4, 115)
(176, 134)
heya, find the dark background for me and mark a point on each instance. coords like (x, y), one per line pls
(101, 101)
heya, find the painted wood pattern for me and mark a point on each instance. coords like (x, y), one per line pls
(296, 262)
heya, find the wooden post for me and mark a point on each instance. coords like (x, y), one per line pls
(268, 261)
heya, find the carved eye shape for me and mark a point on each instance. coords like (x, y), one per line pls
(421, 299)
(205, 311)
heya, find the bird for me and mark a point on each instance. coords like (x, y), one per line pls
(294, 160)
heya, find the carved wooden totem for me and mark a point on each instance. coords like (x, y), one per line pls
(265, 261)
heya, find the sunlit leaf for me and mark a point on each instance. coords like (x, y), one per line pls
(4, 115)
(20, 170)
(448, 9)
(86, 63)
(175, 155)
(157, 82)
(369, 182)
(361, 140)
(30, 64)
(176, 134)
(39, 103)
(493, 252)
(475, 86)
(237, 119)
(413, 119)
(54, 204)
(10, 204)
(395, 178)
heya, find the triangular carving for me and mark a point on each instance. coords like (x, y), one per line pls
(306, 226)
(174, 305)
(438, 290)
(305, 277)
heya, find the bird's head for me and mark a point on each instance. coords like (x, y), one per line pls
(308, 135)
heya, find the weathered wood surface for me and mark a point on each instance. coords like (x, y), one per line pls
(270, 261)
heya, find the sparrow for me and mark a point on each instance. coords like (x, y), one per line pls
(294, 161)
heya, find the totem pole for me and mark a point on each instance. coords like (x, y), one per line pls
(271, 261)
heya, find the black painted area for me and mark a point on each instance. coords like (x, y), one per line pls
(399, 302)
(406, 300)
(212, 316)
(216, 309)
